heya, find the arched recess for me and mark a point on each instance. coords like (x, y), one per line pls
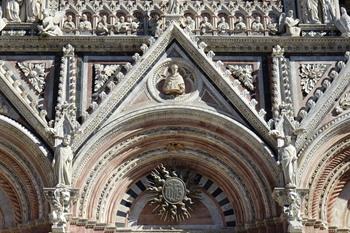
(324, 165)
(24, 171)
(125, 148)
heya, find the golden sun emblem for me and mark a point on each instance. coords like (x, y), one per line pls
(171, 199)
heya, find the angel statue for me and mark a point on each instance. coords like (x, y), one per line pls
(343, 23)
(288, 25)
(50, 25)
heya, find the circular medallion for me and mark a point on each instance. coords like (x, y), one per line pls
(174, 190)
(174, 80)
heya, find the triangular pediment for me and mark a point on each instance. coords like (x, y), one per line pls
(199, 91)
(140, 84)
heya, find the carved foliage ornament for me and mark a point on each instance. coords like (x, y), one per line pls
(35, 74)
(245, 74)
(310, 74)
(171, 199)
(103, 73)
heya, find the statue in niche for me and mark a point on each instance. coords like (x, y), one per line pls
(312, 11)
(63, 162)
(174, 83)
(69, 25)
(240, 26)
(257, 26)
(206, 26)
(12, 10)
(223, 26)
(343, 23)
(289, 25)
(123, 25)
(155, 25)
(328, 9)
(102, 26)
(85, 24)
(188, 23)
(33, 9)
(173, 7)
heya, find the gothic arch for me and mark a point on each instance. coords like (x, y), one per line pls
(141, 138)
(324, 168)
(24, 170)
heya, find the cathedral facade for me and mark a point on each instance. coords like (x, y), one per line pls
(194, 116)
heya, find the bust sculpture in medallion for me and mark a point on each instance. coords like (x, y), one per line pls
(174, 83)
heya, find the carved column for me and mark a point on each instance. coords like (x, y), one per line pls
(62, 195)
(281, 93)
(66, 110)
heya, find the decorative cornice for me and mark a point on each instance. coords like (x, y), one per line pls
(218, 44)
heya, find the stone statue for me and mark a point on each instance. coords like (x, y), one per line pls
(132, 24)
(123, 25)
(155, 25)
(12, 10)
(116, 26)
(289, 25)
(257, 26)
(288, 159)
(206, 26)
(312, 11)
(188, 23)
(328, 9)
(343, 23)
(33, 10)
(50, 24)
(69, 25)
(3, 21)
(240, 26)
(223, 26)
(63, 162)
(174, 83)
(85, 24)
(102, 27)
(173, 7)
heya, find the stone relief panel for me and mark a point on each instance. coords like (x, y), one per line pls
(312, 77)
(98, 77)
(247, 75)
